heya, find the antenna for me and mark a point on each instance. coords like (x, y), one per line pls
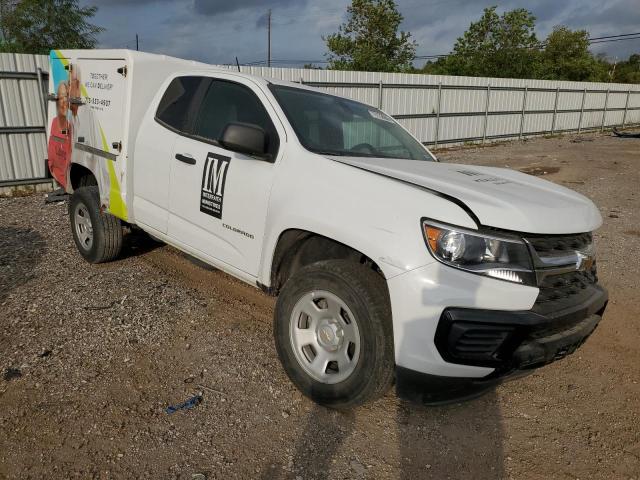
(238, 63)
(137, 42)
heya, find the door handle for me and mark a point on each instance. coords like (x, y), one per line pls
(188, 159)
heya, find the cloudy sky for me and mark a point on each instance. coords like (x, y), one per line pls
(216, 31)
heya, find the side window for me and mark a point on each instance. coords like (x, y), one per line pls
(227, 102)
(173, 109)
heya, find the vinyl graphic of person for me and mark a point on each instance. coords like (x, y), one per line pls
(59, 148)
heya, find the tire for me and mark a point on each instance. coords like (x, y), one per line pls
(367, 370)
(99, 236)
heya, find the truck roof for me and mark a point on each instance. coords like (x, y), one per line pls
(135, 56)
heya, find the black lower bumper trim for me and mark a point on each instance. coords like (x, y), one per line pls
(511, 340)
(540, 351)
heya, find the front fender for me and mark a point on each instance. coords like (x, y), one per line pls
(370, 213)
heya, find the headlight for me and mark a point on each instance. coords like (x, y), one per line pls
(501, 257)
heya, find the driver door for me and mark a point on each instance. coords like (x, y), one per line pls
(219, 198)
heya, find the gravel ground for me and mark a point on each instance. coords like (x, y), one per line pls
(92, 355)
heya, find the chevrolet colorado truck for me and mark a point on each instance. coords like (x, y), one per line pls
(387, 264)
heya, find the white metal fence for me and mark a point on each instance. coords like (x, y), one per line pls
(438, 110)
(23, 146)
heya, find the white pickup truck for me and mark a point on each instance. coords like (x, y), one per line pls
(387, 264)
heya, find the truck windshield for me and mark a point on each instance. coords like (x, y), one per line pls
(332, 125)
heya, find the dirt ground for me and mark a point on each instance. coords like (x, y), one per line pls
(91, 356)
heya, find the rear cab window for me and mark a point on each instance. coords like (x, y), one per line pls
(175, 108)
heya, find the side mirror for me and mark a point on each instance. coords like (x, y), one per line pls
(245, 138)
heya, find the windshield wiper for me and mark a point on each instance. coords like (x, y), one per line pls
(337, 153)
(373, 155)
(349, 153)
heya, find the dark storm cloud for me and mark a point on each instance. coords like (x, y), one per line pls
(419, 14)
(215, 7)
(618, 14)
(262, 20)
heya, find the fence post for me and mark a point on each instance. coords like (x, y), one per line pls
(555, 111)
(486, 114)
(524, 109)
(626, 107)
(435, 145)
(604, 112)
(584, 94)
(380, 94)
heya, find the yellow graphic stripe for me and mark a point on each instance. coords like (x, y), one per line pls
(116, 206)
(61, 57)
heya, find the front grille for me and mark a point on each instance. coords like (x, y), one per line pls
(564, 290)
(558, 287)
(556, 244)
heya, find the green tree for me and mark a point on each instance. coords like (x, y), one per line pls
(627, 71)
(6, 8)
(566, 56)
(370, 41)
(37, 26)
(494, 46)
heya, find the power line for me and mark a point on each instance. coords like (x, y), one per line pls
(615, 36)
(258, 63)
(614, 40)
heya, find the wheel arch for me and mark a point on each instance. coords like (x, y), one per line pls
(81, 176)
(296, 248)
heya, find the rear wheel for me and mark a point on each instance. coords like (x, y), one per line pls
(98, 235)
(333, 333)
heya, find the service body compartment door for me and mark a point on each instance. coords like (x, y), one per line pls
(97, 95)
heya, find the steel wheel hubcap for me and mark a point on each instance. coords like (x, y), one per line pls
(84, 228)
(324, 336)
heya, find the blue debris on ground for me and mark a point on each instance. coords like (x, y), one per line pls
(188, 405)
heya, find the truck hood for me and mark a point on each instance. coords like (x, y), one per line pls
(498, 197)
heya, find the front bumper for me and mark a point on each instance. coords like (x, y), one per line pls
(496, 331)
(513, 343)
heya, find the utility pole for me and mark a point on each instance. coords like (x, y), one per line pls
(269, 38)
(613, 71)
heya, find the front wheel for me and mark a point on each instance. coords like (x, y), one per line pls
(98, 235)
(333, 333)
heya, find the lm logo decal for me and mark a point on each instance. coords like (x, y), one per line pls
(214, 177)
